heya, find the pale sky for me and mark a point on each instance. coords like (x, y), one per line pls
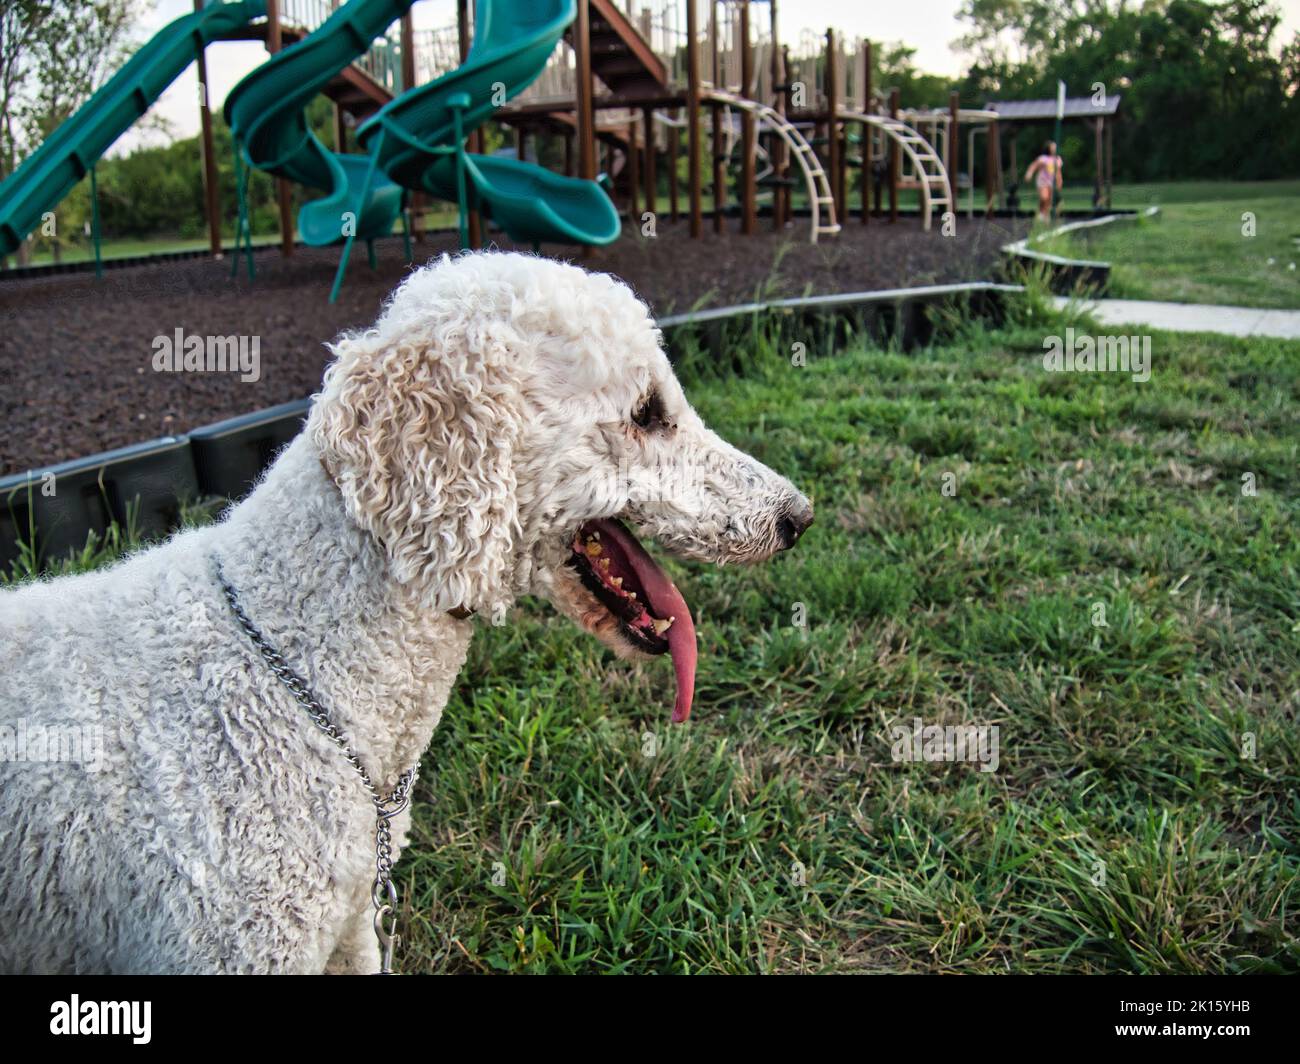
(929, 26)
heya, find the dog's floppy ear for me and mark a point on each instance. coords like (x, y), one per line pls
(418, 433)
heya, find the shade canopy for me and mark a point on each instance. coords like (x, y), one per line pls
(1045, 110)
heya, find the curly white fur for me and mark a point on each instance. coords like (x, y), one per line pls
(453, 451)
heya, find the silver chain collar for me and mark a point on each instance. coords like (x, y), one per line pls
(383, 892)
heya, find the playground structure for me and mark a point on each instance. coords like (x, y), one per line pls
(416, 141)
(618, 83)
(799, 115)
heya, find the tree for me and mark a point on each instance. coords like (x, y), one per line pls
(1205, 93)
(53, 56)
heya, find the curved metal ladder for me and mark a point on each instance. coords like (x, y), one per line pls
(932, 175)
(820, 199)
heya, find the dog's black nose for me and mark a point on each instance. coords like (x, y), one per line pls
(794, 522)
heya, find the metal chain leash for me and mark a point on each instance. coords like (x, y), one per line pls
(383, 892)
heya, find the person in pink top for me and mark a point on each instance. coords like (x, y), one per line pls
(1046, 172)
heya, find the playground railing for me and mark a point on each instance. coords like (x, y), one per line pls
(382, 63)
(558, 81)
(808, 66)
(437, 52)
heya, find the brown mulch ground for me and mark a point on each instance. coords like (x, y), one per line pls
(76, 353)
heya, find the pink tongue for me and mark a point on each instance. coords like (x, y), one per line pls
(681, 645)
(664, 601)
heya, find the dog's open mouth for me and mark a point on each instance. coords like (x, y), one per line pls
(651, 613)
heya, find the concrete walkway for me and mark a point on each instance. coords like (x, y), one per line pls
(1194, 317)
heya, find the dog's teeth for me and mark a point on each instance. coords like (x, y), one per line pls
(593, 549)
(631, 595)
(662, 626)
(604, 563)
(595, 535)
(617, 581)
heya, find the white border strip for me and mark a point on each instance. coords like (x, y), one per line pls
(1022, 248)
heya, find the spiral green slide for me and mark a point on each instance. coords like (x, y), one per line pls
(72, 150)
(266, 115)
(418, 138)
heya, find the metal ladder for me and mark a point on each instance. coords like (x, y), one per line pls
(819, 189)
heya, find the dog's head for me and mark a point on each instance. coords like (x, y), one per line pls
(506, 424)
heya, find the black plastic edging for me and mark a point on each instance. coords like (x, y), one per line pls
(142, 485)
(62, 505)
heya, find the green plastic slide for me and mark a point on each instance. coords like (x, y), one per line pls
(414, 138)
(265, 112)
(68, 154)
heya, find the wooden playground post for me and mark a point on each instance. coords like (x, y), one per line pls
(674, 137)
(633, 164)
(893, 160)
(719, 171)
(274, 42)
(408, 52)
(832, 126)
(1015, 172)
(749, 196)
(866, 133)
(651, 182)
(1098, 151)
(845, 150)
(992, 157)
(778, 144)
(415, 200)
(586, 117)
(1110, 158)
(693, 119)
(475, 143)
(211, 198)
(953, 146)
(787, 197)
(719, 156)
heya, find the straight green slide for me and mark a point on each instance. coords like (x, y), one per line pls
(266, 114)
(414, 137)
(67, 155)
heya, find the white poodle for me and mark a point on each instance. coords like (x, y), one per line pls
(169, 802)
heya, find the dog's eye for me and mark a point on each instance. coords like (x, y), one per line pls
(649, 412)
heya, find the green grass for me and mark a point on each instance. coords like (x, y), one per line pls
(774, 833)
(123, 249)
(98, 550)
(119, 248)
(1172, 192)
(1195, 250)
